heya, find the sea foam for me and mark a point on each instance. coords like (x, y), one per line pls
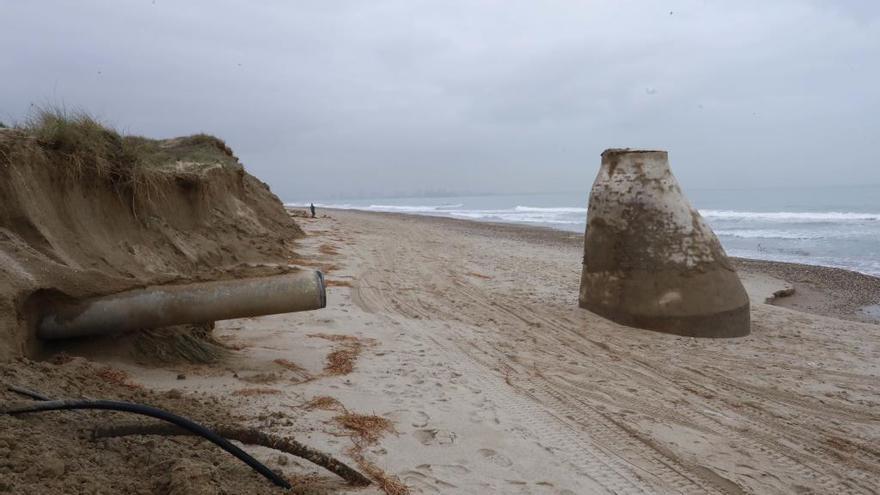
(791, 216)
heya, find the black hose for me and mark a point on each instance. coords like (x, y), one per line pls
(111, 405)
(27, 392)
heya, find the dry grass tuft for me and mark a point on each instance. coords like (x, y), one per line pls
(325, 403)
(341, 361)
(366, 429)
(251, 392)
(80, 143)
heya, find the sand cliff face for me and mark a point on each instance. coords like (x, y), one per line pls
(68, 228)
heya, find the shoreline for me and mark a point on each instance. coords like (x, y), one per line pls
(818, 289)
(832, 237)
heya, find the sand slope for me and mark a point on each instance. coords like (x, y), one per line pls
(628, 410)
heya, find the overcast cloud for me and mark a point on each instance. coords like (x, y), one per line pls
(336, 98)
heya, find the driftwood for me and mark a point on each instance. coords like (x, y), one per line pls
(246, 436)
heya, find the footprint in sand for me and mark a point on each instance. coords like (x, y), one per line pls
(536, 488)
(447, 470)
(421, 419)
(495, 458)
(430, 477)
(435, 437)
(420, 481)
(485, 413)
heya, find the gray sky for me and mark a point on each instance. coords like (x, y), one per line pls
(335, 98)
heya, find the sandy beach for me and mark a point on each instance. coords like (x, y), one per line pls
(467, 337)
(440, 248)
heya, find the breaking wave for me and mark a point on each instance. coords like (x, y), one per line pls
(769, 234)
(790, 216)
(536, 209)
(413, 209)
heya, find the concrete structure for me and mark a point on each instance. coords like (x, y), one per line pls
(650, 261)
(162, 306)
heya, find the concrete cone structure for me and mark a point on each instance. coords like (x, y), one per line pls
(650, 261)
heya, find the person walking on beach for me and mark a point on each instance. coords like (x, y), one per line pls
(312, 207)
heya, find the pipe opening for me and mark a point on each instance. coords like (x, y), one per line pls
(322, 289)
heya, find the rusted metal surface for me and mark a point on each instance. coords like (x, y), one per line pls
(162, 306)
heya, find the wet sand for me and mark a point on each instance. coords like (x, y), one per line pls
(469, 339)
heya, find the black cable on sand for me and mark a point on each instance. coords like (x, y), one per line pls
(189, 425)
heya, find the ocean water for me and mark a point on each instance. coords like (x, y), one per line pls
(830, 226)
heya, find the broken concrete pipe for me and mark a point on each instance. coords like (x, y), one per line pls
(650, 260)
(161, 306)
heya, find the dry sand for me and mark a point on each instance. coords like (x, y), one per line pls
(467, 337)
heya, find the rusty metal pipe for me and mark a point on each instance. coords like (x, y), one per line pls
(161, 306)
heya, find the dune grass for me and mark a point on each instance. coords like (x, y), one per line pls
(88, 148)
(77, 136)
(78, 147)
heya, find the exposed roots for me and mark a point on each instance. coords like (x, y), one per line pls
(182, 343)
